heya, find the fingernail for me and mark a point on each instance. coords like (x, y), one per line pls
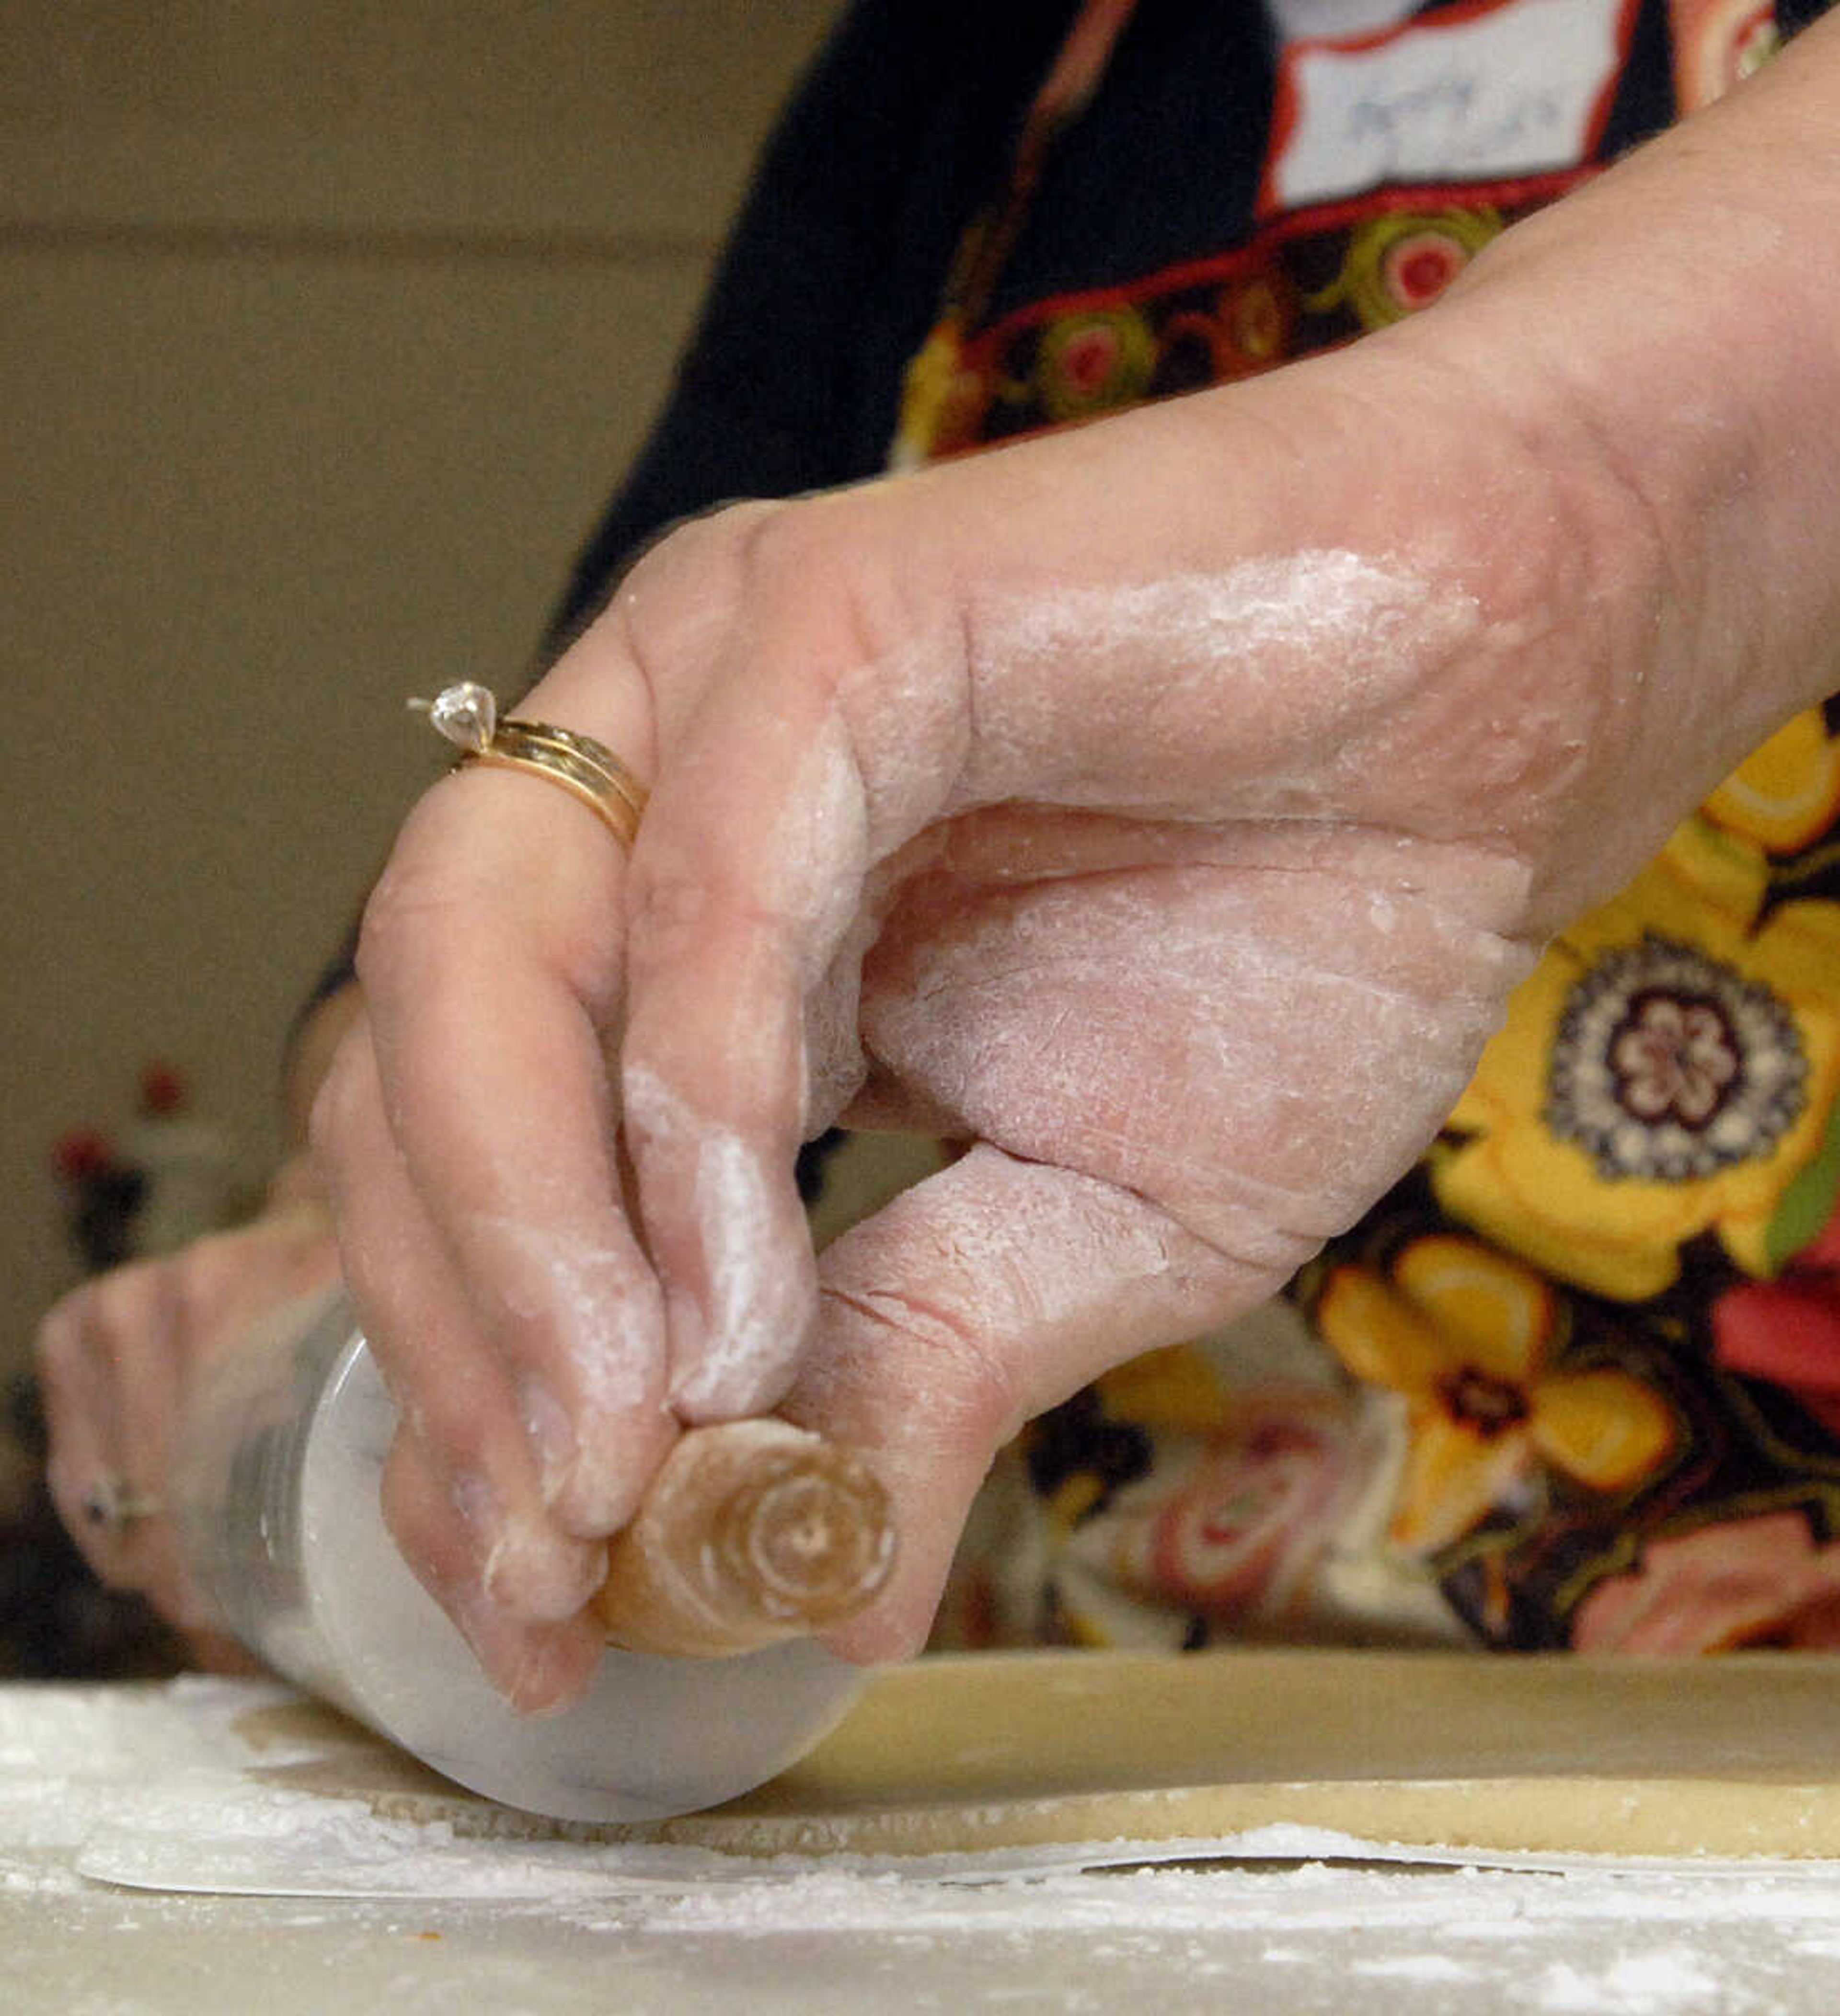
(501, 1646)
(539, 1669)
(552, 1434)
(546, 1682)
(537, 1577)
(608, 1482)
(529, 1571)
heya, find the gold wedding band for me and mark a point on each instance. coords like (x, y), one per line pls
(467, 715)
(580, 765)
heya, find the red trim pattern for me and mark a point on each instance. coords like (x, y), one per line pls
(1304, 283)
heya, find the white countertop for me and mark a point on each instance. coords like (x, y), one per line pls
(87, 1772)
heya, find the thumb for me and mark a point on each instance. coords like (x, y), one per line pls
(972, 1303)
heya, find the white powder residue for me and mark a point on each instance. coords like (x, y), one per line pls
(1330, 600)
(758, 1300)
(1414, 1966)
(817, 853)
(1169, 1032)
(1668, 1983)
(1140, 669)
(746, 1320)
(1055, 1243)
(198, 1787)
(608, 1313)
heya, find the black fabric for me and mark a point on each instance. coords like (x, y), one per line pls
(833, 269)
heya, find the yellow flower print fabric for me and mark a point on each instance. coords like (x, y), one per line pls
(1667, 1071)
(1472, 1342)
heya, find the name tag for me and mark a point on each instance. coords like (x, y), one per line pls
(1480, 93)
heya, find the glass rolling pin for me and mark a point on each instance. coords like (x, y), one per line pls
(754, 1534)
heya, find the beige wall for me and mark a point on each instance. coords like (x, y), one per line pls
(324, 328)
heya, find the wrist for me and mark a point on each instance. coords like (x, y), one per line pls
(1670, 330)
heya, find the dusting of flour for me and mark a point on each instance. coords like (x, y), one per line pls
(153, 1787)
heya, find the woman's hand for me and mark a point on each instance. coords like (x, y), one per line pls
(118, 1359)
(1168, 807)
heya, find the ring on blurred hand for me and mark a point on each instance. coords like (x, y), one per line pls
(113, 1504)
(467, 715)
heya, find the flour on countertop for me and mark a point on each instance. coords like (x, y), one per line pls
(157, 1787)
(1667, 1983)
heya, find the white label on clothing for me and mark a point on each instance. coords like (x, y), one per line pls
(1310, 20)
(1506, 88)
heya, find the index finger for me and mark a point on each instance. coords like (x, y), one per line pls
(748, 882)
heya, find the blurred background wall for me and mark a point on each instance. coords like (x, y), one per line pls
(325, 327)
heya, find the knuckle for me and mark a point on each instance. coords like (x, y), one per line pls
(337, 1104)
(696, 549)
(414, 904)
(122, 1304)
(901, 1372)
(690, 587)
(771, 548)
(802, 571)
(208, 1272)
(671, 908)
(59, 1336)
(698, 564)
(452, 1438)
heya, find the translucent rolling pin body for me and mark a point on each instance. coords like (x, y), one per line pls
(757, 1534)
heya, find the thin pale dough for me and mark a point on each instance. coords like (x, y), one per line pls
(1711, 1760)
